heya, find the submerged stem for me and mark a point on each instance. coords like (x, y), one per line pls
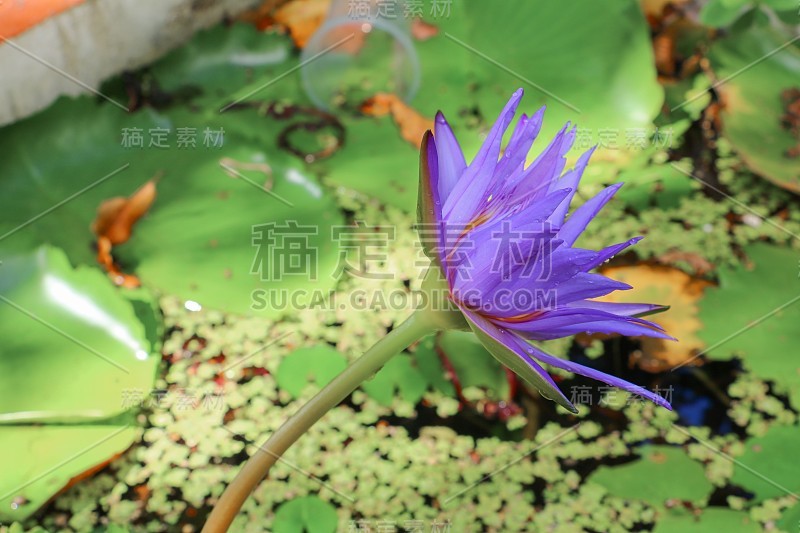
(255, 469)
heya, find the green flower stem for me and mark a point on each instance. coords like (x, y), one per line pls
(414, 328)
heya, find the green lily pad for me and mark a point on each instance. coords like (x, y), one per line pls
(606, 84)
(754, 313)
(220, 61)
(766, 467)
(650, 183)
(318, 364)
(40, 461)
(375, 160)
(212, 198)
(756, 66)
(718, 13)
(710, 519)
(790, 518)
(218, 236)
(662, 473)
(399, 374)
(430, 366)
(74, 348)
(77, 356)
(308, 514)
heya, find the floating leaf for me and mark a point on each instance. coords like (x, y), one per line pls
(481, 53)
(663, 473)
(754, 315)
(473, 365)
(399, 375)
(40, 461)
(681, 520)
(427, 360)
(198, 239)
(718, 13)
(764, 467)
(307, 514)
(221, 61)
(77, 355)
(615, 89)
(790, 518)
(69, 333)
(756, 66)
(318, 365)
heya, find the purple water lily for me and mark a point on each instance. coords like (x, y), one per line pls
(505, 248)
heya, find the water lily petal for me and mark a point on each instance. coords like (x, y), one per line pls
(429, 208)
(504, 346)
(450, 157)
(471, 190)
(593, 374)
(578, 220)
(570, 180)
(621, 309)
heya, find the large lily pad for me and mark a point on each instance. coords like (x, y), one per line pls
(607, 83)
(681, 520)
(316, 364)
(663, 473)
(223, 64)
(197, 240)
(482, 53)
(76, 355)
(766, 468)
(754, 315)
(73, 347)
(756, 67)
(39, 461)
(308, 513)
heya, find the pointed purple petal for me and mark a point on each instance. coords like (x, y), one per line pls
(620, 309)
(594, 374)
(471, 191)
(451, 158)
(429, 208)
(516, 152)
(570, 180)
(504, 346)
(586, 285)
(607, 253)
(578, 221)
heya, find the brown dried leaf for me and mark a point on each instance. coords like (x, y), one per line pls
(667, 286)
(302, 18)
(422, 31)
(656, 8)
(412, 125)
(114, 224)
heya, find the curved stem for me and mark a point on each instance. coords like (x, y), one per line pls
(255, 469)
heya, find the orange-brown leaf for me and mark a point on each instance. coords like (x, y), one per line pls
(422, 31)
(412, 124)
(667, 286)
(116, 216)
(114, 224)
(302, 18)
